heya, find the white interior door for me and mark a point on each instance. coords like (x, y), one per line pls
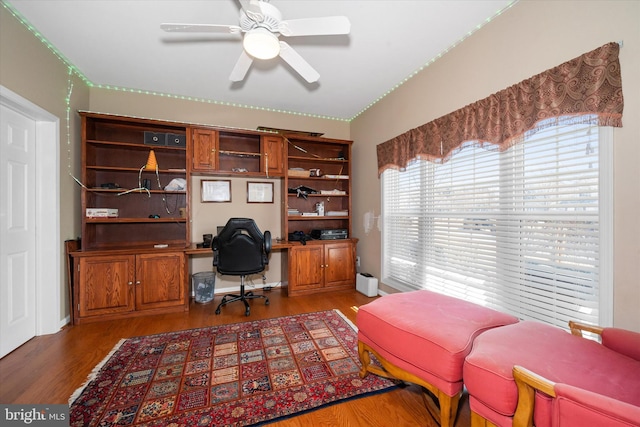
(17, 229)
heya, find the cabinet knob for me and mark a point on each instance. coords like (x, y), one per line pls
(137, 282)
(130, 283)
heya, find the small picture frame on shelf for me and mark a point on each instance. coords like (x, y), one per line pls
(259, 192)
(216, 190)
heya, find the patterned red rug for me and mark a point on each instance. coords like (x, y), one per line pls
(231, 375)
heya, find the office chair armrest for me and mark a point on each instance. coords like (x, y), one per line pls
(267, 242)
(214, 248)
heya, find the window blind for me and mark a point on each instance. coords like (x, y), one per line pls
(516, 230)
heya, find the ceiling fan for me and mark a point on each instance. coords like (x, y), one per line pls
(262, 25)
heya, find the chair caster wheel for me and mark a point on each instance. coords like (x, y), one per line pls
(266, 302)
(217, 311)
(246, 313)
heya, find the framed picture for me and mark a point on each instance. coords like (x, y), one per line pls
(218, 190)
(259, 192)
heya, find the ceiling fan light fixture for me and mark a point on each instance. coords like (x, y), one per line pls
(261, 43)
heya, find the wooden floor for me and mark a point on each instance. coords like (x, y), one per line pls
(48, 369)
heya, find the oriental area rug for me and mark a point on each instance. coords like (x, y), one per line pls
(241, 374)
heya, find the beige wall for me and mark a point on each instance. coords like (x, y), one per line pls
(135, 104)
(531, 37)
(28, 68)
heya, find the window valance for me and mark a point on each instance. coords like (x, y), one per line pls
(588, 88)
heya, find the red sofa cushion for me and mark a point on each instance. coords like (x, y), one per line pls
(426, 333)
(552, 353)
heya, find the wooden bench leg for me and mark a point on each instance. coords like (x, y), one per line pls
(448, 409)
(480, 421)
(445, 414)
(365, 359)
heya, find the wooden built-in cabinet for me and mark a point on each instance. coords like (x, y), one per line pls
(321, 267)
(205, 148)
(225, 152)
(273, 152)
(134, 262)
(110, 285)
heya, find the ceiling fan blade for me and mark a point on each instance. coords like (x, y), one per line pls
(298, 63)
(201, 28)
(241, 67)
(252, 10)
(325, 26)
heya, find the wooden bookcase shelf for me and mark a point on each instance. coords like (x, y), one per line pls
(331, 158)
(320, 265)
(114, 152)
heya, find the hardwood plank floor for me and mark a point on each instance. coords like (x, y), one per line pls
(48, 369)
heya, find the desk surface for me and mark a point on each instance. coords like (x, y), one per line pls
(190, 250)
(194, 250)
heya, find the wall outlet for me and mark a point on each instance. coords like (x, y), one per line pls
(357, 261)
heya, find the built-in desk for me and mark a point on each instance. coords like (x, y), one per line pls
(115, 283)
(317, 266)
(193, 249)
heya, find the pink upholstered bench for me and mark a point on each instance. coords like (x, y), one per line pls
(551, 353)
(423, 337)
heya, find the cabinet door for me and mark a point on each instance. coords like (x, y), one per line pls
(160, 280)
(105, 285)
(305, 268)
(273, 150)
(339, 264)
(205, 150)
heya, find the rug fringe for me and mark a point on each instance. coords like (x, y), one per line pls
(94, 372)
(346, 319)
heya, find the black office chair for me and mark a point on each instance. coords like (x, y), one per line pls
(238, 250)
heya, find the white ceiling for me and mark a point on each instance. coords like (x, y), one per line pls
(119, 43)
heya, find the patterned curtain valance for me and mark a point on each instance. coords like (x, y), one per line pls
(589, 86)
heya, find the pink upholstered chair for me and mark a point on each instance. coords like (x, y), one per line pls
(571, 406)
(531, 373)
(574, 406)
